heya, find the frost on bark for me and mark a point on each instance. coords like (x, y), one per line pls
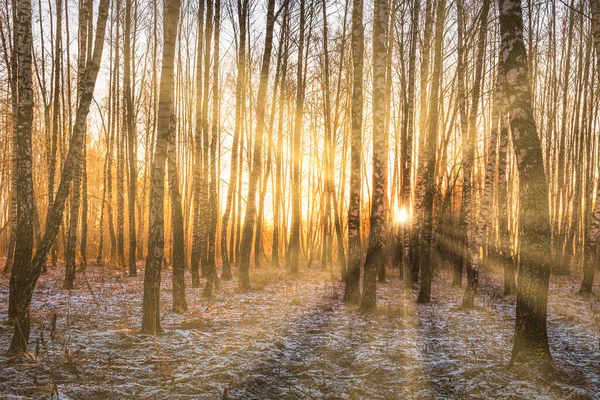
(26, 279)
(426, 259)
(156, 237)
(248, 230)
(593, 223)
(352, 278)
(374, 257)
(531, 336)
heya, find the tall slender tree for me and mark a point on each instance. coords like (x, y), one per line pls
(473, 235)
(261, 100)
(375, 256)
(212, 278)
(531, 336)
(178, 255)
(429, 173)
(352, 278)
(593, 222)
(156, 238)
(298, 122)
(198, 152)
(24, 279)
(129, 125)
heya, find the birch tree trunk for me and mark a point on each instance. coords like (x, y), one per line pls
(418, 211)
(467, 154)
(179, 302)
(156, 237)
(352, 278)
(378, 218)
(296, 175)
(408, 134)
(593, 222)
(233, 170)
(26, 278)
(429, 172)
(197, 153)
(279, 150)
(70, 250)
(22, 160)
(129, 124)
(204, 196)
(531, 337)
(475, 231)
(212, 278)
(247, 232)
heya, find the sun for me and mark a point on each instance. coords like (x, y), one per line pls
(401, 216)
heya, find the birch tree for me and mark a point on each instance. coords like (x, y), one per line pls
(378, 218)
(531, 336)
(156, 239)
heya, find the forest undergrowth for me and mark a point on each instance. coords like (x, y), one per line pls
(293, 338)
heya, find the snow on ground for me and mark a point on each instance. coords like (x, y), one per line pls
(293, 339)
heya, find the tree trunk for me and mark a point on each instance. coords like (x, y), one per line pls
(70, 250)
(279, 150)
(593, 222)
(212, 278)
(352, 278)
(22, 160)
(531, 337)
(375, 257)
(198, 153)
(26, 278)
(156, 238)
(179, 302)
(296, 175)
(429, 173)
(247, 232)
(408, 134)
(418, 211)
(474, 230)
(129, 124)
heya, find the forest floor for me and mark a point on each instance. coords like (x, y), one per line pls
(293, 339)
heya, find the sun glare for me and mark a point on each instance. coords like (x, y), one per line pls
(401, 216)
